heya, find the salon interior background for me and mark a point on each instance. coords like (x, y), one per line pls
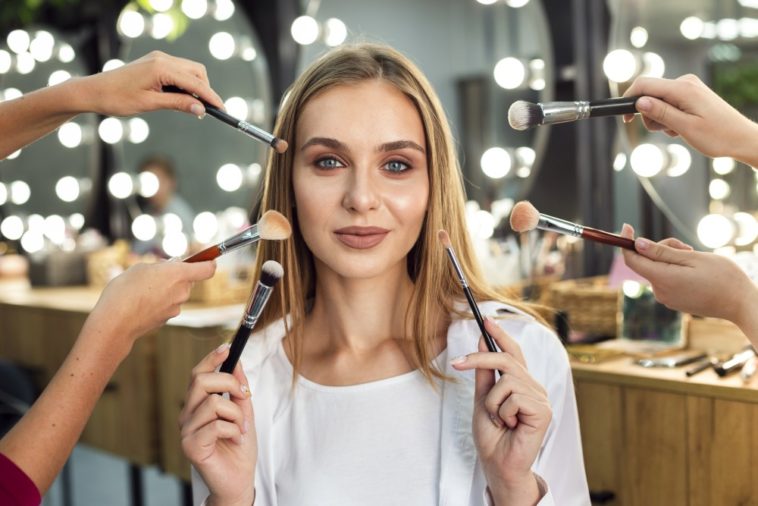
(480, 56)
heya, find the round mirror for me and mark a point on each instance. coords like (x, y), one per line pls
(712, 202)
(181, 179)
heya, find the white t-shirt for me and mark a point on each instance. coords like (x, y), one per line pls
(319, 433)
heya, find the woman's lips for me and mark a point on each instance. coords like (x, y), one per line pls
(361, 237)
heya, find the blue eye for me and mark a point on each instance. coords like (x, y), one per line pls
(328, 163)
(396, 166)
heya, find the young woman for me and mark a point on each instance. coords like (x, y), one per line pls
(370, 383)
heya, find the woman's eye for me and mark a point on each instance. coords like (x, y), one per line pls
(396, 166)
(328, 163)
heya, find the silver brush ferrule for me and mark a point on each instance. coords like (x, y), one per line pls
(256, 132)
(552, 224)
(256, 304)
(457, 267)
(247, 236)
(563, 112)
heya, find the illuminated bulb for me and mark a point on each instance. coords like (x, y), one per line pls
(42, 46)
(66, 53)
(32, 242)
(205, 226)
(254, 171)
(18, 41)
(144, 227)
(148, 184)
(55, 229)
(67, 189)
(120, 185)
(5, 61)
(221, 45)
(175, 244)
(638, 37)
(681, 160)
(486, 2)
(162, 26)
(258, 110)
(496, 163)
(70, 134)
(25, 63)
(58, 77)
(235, 217)
(13, 155)
(76, 221)
(172, 223)
(161, 5)
(727, 29)
(719, 189)
(653, 65)
(131, 23)
(523, 172)
(112, 64)
(335, 32)
(12, 93)
(709, 30)
(537, 84)
(229, 177)
(516, 4)
(138, 130)
(632, 289)
(647, 160)
(619, 162)
(249, 54)
(509, 73)
(526, 156)
(747, 229)
(20, 192)
(111, 130)
(483, 224)
(304, 30)
(35, 222)
(224, 10)
(194, 9)
(12, 227)
(723, 165)
(620, 65)
(237, 107)
(3, 194)
(715, 230)
(748, 27)
(691, 27)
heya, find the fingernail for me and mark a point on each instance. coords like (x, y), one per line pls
(245, 390)
(644, 104)
(198, 110)
(459, 360)
(222, 348)
(642, 244)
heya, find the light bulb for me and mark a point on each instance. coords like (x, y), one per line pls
(111, 130)
(222, 45)
(194, 9)
(638, 37)
(144, 227)
(175, 244)
(304, 30)
(138, 130)
(496, 163)
(224, 10)
(229, 177)
(18, 41)
(205, 226)
(335, 32)
(70, 134)
(620, 65)
(715, 231)
(58, 77)
(12, 227)
(691, 27)
(681, 160)
(148, 184)
(131, 23)
(20, 192)
(647, 160)
(120, 185)
(67, 189)
(509, 73)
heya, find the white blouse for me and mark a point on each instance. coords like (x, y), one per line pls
(398, 440)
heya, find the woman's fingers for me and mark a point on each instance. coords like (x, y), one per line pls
(201, 444)
(214, 407)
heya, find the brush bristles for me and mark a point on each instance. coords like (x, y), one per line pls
(523, 115)
(280, 145)
(444, 239)
(273, 226)
(524, 217)
(271, 272)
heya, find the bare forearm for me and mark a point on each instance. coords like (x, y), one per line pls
(745, 149)
(748, 320)
(44, 438)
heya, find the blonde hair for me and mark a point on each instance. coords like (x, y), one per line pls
(435, 285)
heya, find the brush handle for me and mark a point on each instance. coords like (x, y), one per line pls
(235, 351)
(607, 238)
(613, 106)
(209, 253)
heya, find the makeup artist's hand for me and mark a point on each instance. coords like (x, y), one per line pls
(146, 295)
(218, 433)
(511, 416)
(137, 87)
(687, 107)
(703, 284)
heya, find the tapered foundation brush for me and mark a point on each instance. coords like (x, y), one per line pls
(523, 115)
(272, 226)
(525, 217)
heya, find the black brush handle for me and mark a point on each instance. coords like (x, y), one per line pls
(479, 320)
(613, 106)
(238, 344)
(210, 109)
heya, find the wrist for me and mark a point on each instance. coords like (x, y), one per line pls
(523, 491)
(745, 146)
(747, 317)
(245, 500)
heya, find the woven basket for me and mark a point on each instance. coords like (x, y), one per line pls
(591, 306)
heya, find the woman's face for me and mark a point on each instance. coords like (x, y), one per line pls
(360, 178)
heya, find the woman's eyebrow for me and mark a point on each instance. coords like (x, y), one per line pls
(332, 143)
(324, 141)
(396, 145)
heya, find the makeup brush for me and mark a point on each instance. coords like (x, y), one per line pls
(279, 145)
(525, 217)
(272, 226)
(523, 115)
(271, 273)
(445, 240)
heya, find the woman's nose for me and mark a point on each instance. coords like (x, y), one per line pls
(361, 192)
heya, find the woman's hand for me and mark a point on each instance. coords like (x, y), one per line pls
(218, 433)
(511, 416)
